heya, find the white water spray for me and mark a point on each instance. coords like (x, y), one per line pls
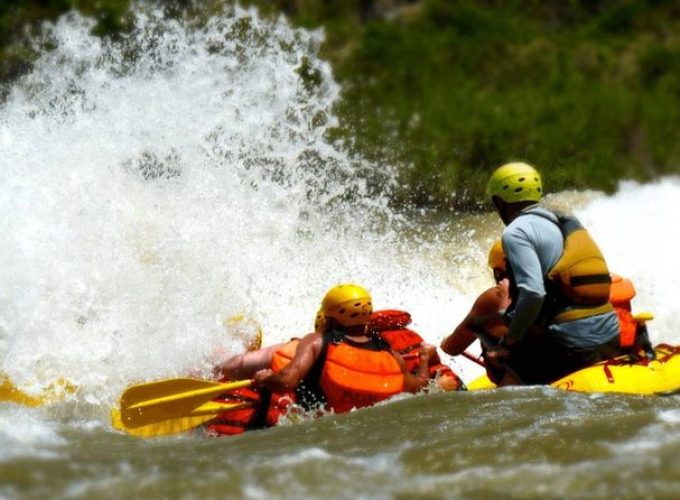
(638, 230)
(154, 188)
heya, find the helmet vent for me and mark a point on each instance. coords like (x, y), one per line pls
(519, 189)
(522, 179)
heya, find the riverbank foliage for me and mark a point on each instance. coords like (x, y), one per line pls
(446, 90)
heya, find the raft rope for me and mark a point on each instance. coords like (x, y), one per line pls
(663, 352)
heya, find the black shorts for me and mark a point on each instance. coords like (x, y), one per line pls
(539, 361)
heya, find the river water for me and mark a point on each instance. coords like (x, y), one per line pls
(164, 194)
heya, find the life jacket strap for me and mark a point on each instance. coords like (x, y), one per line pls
(592, 279)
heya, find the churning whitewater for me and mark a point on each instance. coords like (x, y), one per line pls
(163, 194)
(180, 181)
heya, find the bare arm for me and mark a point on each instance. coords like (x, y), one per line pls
(247, 364)
(307, 353)
(485, 309)
(421, 379)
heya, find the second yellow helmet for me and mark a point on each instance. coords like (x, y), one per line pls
(497, 259)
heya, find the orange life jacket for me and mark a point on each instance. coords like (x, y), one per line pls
(355, 375)
(280, 401)
(350, 375)
(284, 355)
(391, 325)
(621, 294)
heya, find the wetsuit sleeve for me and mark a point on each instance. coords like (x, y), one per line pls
(528, 276)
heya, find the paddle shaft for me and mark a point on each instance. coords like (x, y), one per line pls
(207, 392)
(473, 358)
(217, 408)
(466, 354)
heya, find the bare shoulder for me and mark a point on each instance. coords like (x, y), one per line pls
(490, 299)
(311, 344)
(311, 339)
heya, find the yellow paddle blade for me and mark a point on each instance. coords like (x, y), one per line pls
(56, 390)
(167, 399)
(195, 418)
(163, 428)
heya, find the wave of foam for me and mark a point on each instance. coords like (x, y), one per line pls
(27, 433)
(636, 229)
(155, 187)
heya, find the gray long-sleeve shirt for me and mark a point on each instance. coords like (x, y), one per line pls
(533, 245)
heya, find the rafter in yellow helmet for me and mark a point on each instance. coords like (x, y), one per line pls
(515, 182)
(348, 304)
(497, 259)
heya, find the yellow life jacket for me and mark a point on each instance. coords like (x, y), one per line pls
(578, 285)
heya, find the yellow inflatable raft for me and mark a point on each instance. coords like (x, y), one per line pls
(620, 375)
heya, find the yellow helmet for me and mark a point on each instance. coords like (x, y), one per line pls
(514, 182)
(497, 259)
(348, 304)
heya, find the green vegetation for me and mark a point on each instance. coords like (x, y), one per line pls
(587, 90)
